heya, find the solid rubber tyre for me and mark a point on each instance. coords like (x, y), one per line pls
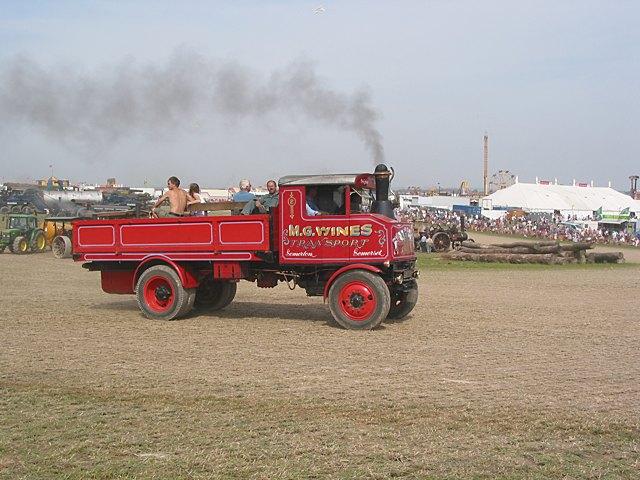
(359, 300)
(215, 295)
(402, 302)
(160, 294)
(20, 245)
(188, 306)
(61, 246)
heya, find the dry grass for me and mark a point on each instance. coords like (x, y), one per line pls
(510, 374)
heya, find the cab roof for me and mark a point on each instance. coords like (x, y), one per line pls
(334, 179)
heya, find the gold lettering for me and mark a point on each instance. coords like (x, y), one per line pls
(307, 231)
(294, 230)
(344, 231)
(355, 230)
(366, 230)
(322, 231)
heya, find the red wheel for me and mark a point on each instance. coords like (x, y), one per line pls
(359, 300)
(160, 293)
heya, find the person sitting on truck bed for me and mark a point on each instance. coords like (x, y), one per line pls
(244, 195)
(177, 198)
(264, 203)
(194, 197)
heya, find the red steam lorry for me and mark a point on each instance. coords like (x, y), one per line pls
(362, 262)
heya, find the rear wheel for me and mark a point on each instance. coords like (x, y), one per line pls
(359, 300)
(5, 209)
(160, 294)
(212, 295)
(441, 242)
(39, 243)
(20, 245)
(403, 301)
(61, 246)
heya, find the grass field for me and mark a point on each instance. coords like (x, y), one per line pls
(499, 373)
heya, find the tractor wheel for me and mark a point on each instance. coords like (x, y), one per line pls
(16, 209)
(61, 246)
(359, 300)
(160, 293)
(20, 245)
(402, 302)
(212, 295)
(5, 209)
(39, 242)
(27, 210)
(441, 242)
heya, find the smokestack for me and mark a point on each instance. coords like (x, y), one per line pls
(486, 165)
(382, 205)
(634, 185)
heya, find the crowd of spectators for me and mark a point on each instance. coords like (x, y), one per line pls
(544, 227)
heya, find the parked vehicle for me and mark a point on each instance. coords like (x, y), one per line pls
(21, 234)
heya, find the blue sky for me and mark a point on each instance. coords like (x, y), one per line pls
(554, 84)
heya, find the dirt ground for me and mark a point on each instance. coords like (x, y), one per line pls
(497, 373)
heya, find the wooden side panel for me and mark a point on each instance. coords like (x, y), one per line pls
(167, 235)
(97, 235)
(188, 235)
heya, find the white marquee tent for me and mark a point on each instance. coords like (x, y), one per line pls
(581, 201)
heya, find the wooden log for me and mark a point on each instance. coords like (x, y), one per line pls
(525, 244)
(548, 249)
(543, 258)
(609, 257)
(496, 250)
(577, 246)
(473, 245)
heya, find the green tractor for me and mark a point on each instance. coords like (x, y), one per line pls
(21, 234)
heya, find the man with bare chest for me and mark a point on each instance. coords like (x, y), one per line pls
(177, 198)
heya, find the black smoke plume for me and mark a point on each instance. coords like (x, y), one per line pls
(102, 107)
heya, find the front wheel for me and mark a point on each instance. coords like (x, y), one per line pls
(359, 300)
(160, 294)
(403, 301)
